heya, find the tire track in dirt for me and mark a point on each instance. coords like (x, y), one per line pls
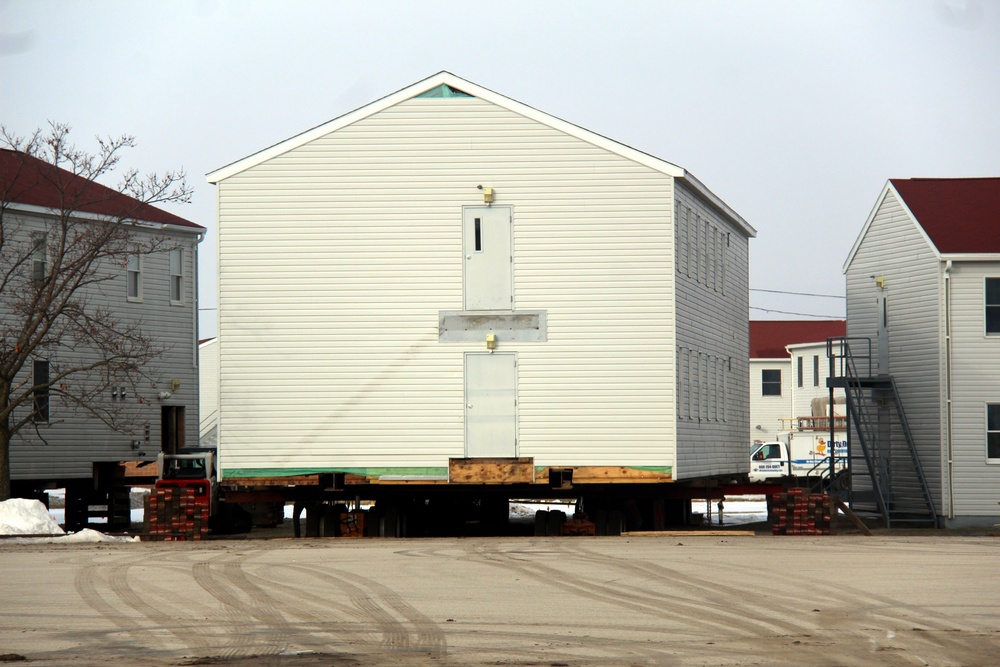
(89, 585)
(691, 613)
(862, 606)
(112, 588)
(836, 606)
(371, 598)
(223, 578)
(310, 606)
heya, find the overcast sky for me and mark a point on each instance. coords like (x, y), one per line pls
(795, 113)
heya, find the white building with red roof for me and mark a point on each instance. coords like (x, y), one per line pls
(923, 285)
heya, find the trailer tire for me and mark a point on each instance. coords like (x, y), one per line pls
(541, 523)
(555, 523)
(601, 523)
(614, 525)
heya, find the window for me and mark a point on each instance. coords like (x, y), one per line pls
(177, 275)
(993, 305)
(40, 376)
(39, 257)
(993, 431)
(815, 370)
(770, 382)
(133, 276)
(772, 451)
(800, 373)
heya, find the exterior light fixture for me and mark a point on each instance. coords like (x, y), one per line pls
(491, 341)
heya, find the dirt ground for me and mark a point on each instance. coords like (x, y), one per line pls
(696, 598)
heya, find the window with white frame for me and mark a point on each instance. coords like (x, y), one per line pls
(993, 305)
(770, 382)
(133, 277)
(993, 432)
(177, 276)
(800, 372)
(39, 257)
(815, 370)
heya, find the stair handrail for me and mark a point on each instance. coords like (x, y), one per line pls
(848, 370)
(913, 453)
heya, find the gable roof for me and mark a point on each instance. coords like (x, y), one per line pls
(768, 338)
(458, 87)
(30, 181)
(959, 215)
(956, 216)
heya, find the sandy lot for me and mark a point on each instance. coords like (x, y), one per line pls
(639, 600)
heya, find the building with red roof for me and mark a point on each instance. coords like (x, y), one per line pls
(788, 370)
(923, 289)
(145, 280)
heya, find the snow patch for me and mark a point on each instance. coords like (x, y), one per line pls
(20, 516)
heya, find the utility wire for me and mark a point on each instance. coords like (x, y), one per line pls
(785, 312)
(777, 291)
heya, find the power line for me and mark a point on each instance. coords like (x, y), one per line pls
(785, 312)
(777, 291)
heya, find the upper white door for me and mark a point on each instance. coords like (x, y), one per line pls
(491, 404)
(883, 333)
(486, 232)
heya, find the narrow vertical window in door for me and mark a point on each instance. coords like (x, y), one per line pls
(479, 234)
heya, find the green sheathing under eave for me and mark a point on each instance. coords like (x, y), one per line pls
(241, 473)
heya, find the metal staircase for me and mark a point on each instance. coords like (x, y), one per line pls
(894, 487)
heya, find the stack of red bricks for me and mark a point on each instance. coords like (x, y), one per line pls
(799, 513)
(176, 514)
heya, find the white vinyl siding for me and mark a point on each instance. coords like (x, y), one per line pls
(208, 391)
(767, 412)
(370, 218)
(974, 384)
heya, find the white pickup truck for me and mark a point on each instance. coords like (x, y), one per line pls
(796, 454)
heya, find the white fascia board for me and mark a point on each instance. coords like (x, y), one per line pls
(800, 346)
(447, 78)
(871, 217)
(718, 203)
(771, 360)
(104, 217)
(337, 123)
(970, 257)
(864, 228)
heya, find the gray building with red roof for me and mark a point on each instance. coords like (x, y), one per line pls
(923, 285)
(44, 208)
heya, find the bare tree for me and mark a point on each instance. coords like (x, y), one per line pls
(53, 265)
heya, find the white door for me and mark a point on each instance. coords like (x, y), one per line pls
(486, 234)
(883, 333)
(491, 405)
